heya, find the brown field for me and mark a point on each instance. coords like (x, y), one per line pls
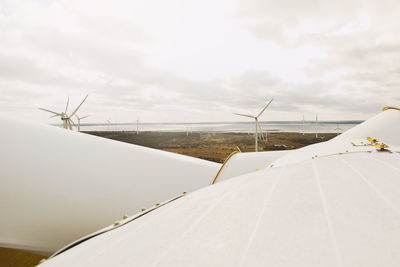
(16, 258)
(214, 146)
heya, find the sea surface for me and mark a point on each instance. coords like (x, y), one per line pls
(239, 127)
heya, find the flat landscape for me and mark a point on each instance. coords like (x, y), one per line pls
(16, 258)
(213, 146)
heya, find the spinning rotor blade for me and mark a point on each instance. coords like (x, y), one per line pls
(53, 116)
(84, 117)
(261, 131)
(72, 122)
(73, 113)
(244, 115)
(57, 114)
(68, 125)
(66, 107)
(264, 108)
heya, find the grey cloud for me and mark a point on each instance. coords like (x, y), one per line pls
(104, 59)
(363, 59)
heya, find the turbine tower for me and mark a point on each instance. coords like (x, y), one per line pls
(79, 121)
(65, 118)
(257, 125)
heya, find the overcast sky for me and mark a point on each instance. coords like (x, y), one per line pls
(191, 60)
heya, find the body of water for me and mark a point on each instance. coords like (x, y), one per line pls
(240, 127)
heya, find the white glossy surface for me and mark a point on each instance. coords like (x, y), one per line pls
(385, 127)
(241, 163)
(58, 185)
(330, 204)
(340, 210)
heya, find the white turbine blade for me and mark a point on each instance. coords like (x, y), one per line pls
(72, 122)
(264, 108)
(70, 125)
(66, 107)
(261, 131)
(56, 113)
(73, 113)
(53, 116)
(250, 116)
(84, 117)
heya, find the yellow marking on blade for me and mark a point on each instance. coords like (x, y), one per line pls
(377, 144)
(388, 107)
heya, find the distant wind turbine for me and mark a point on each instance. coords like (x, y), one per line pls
(66, 119)
(109, 123)
(338, 129)
(262, 137)
(257, 125)
(79, 121)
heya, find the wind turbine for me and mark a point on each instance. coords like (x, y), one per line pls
(109, 123)
(338, 129)
(257, 126)
(262, 137)
(79, 121)
(66, 119)
(189, 129)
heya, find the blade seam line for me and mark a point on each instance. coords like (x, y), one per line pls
(196, 223)
(383, 162)
(327, 216)
(372, 186)
(259, 217)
